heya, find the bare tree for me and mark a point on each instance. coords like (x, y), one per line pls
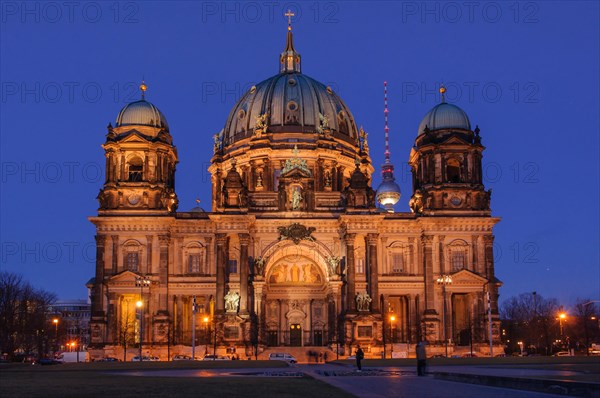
(530, 318)
(585, 311)
(23, 316)
(127, 328)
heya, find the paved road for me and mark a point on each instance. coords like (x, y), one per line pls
(411, 386)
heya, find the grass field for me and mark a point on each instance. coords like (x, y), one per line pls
(94, 380)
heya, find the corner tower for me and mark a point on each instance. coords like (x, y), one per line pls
(446, 165)
(140, 162)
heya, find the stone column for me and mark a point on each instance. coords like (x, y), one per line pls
(115, 253)
(442, 259)
(148, 254)
(244, 272)
(221, 263)
(98, 294)
(373, 270)
(412, 267)
(413, 318)
(428, 273)
(163, 273)
(350, 274)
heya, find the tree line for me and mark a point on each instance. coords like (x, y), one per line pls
(534, 324)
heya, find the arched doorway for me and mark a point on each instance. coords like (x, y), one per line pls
(295, 300)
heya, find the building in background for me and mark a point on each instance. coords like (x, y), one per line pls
(71, 322)
(294, 250)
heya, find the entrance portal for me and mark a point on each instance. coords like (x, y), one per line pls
(295, 335)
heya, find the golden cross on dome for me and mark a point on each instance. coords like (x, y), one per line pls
(289, 14)
(143, 88)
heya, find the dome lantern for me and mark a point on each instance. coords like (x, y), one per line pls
(289, 61)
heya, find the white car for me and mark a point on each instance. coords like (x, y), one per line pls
(211, 357)
(282, 356)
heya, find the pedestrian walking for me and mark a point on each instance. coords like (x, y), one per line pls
(359, 357)
(421, 358)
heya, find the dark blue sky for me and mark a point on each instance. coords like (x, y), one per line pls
(526, 72)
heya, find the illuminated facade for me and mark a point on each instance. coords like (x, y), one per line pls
(294, 251)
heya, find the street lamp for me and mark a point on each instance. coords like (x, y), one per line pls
(444, 280)
(561, 318)
(392, 319)
(194, 310)
(205, 320)
(142, 282)
(55, 322)
(140, 305)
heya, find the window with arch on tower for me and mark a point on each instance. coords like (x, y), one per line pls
(135, 169)
(453, 170)
(458, 255)
(131, 256)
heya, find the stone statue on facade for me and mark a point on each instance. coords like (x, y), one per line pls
(363, 300)
(232, 300)
(333, 264)
(259, 266)
(296, 199)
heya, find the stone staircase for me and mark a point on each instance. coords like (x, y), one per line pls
(302, 353)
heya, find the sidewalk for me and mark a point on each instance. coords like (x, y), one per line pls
(403, 382)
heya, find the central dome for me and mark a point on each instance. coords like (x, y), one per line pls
(293, 103)
(289, 102)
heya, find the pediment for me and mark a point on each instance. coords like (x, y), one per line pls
(454, 140)
(297, 173)
(125, 276)
(466, 277)
(133, 136)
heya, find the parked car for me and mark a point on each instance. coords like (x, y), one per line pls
(145, 358)
(48, 361)
(108, 359)
(211, 357)
(282, 356)
(562, 354)
(469, 355)
(182, 358)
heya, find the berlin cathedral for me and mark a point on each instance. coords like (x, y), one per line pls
(299, 252)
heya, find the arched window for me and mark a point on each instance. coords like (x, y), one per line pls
(132, 256)
(397, 258)
(453, 170)
(458, 255)
(195, 256)
(136, 168)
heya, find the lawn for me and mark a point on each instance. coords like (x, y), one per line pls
(93, 380)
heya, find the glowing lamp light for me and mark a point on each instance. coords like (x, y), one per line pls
(139, 304)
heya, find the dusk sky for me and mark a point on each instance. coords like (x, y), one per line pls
(527, 73)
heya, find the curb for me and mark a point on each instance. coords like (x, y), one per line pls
(560, 387)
